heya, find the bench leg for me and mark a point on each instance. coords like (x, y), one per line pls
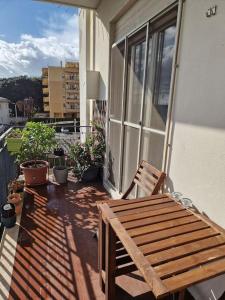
(101, 250)
(110, 263)
(181, 295)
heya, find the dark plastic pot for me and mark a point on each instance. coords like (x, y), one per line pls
(8, 215)
(59, 152)
(90, 174)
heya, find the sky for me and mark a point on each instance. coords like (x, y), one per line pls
(35, 34)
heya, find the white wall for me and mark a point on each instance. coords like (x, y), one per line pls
(4, 113)
(197, 158)
(84, 25)
(197, 166)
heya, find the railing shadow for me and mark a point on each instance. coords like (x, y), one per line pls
(56, 253)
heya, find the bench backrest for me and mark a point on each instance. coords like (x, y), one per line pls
(148, 178)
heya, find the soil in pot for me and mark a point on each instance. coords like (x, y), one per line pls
(61, 174)
(35, 172)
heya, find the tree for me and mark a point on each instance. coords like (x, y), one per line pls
(19, 88)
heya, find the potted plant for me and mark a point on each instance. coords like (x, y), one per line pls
(16, 199)
(88, 157)
(38, 140)
(61, 171)
(14, 140)
(16, 186)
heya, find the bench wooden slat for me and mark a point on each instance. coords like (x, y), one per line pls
(156, 219)
(148, 175)
(147, 271)
(146, 214)
(143, 209)
(194, 260)
(148, 178)
(151, 168)
(207, 271)
(121, 202)
(182, 239)
(157, 236)
(145, 188)
(142, 180)
(184, 250)
(145, 203)
(162, 226)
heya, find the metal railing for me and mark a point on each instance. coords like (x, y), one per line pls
(8, 168)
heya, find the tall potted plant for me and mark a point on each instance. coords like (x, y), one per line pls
(38, 140)
(88, 157)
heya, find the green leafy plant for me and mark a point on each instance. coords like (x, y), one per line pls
(14, 140)
(38, 139)
(88, 154)
(15, 133)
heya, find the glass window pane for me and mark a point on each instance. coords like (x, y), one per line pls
(160, 58)
(152, 148)
(117, 70)
(114, 153)
(130, 156)
(136, 60)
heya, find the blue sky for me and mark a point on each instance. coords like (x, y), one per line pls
(34, 34)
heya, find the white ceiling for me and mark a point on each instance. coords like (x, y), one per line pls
(92, 4)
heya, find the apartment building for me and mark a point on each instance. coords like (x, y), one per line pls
(4, 111)
(61, 91)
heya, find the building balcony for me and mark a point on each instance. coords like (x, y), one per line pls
(44, 72)
(45, 91)
(46, 108)
(46, 99)
(45, 81)
(72, 90)
(71, 110)
(72, 100)
(51, 253)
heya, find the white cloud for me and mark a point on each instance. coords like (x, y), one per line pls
(59, 42)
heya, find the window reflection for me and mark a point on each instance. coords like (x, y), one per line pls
(166, 43)
(160, 58)
(135, 81)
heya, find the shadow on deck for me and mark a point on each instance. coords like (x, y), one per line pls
(56, 254)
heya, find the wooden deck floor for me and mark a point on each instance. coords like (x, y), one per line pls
(56, 254)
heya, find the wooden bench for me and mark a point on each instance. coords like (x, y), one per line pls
(172, 247)
(149, 180)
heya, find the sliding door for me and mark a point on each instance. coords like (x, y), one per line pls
(115, 112)
(133, 105)
(140, 87)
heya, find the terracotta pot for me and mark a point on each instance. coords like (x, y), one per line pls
(16, 199)
(35, 175)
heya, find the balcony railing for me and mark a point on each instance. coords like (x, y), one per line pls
(45, 81)
(45, 91)
(7, 166)
(46, 99)
(46, 108)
